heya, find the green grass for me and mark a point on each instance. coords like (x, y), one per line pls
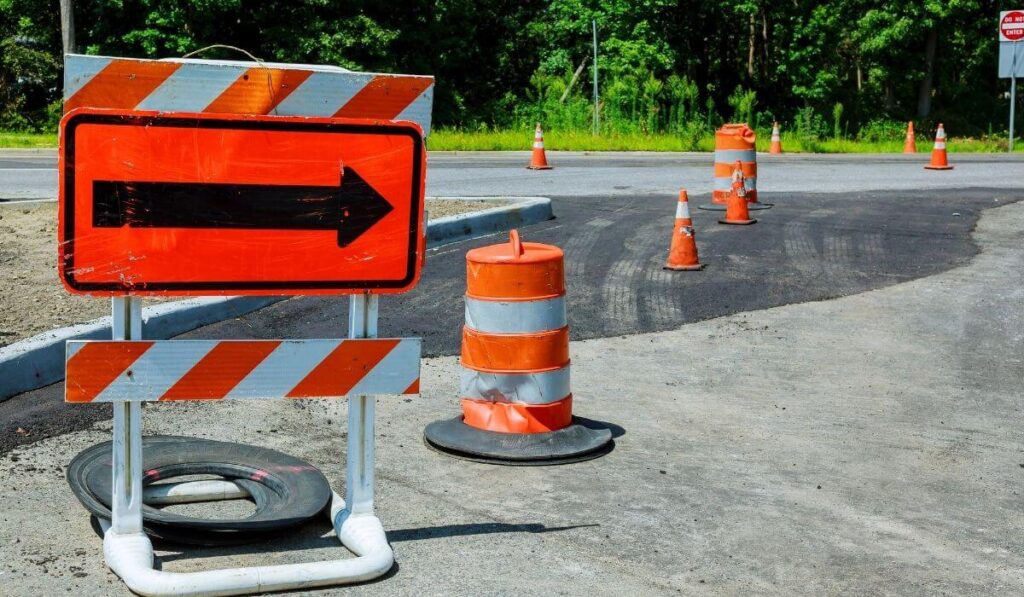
(522, 140)
(27, 140)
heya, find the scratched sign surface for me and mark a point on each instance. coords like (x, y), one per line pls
(177, 204)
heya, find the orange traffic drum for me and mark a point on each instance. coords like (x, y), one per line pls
(515, 389)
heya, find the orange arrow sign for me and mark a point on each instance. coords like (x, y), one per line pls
(162, 204)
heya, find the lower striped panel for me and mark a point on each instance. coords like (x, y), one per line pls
(529, 388)
(106, 371)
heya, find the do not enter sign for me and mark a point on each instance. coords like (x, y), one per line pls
(158, 204)
(1011, 25)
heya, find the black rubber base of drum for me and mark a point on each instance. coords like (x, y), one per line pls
(583, 440)
(750, 206)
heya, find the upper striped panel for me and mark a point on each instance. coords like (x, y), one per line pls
(189, 85)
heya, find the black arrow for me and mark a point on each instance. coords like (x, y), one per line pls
(351, 208)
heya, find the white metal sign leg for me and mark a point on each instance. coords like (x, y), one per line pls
(359, 478)
(126, 503)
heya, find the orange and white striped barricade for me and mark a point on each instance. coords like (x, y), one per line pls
(516, 395)
(130, 370)
(228, 86)
(734, 143)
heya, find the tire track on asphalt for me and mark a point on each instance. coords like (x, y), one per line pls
(620, 287)
(578, 247)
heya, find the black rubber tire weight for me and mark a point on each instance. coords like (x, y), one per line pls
(287, 491)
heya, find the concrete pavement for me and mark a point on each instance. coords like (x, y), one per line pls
(869, 445)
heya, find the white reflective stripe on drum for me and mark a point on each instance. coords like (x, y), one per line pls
(528, 388)
(516, 317)
(725, 184)
(682, 209)
(731, 156)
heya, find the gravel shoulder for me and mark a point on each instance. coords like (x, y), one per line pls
(32, 299)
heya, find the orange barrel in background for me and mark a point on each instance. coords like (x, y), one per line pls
(515, 389)
(734, 143)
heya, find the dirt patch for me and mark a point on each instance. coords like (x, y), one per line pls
(32, 299)
(442, 208)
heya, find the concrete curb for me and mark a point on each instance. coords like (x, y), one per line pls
(39, 361)
(525, 210)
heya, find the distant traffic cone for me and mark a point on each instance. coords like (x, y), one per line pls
(776, 140)
(939, 161)
(539, 161)
(736, 210)
(682, 256)
(910, 145)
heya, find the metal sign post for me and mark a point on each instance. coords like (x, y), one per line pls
(1013, 93)
(597, 108)
(1011, 32)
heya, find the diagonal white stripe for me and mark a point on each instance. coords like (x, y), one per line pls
(419, 109)
(79, 70)
(323, 94)
(156, 370)
(283, 369)
(72, 347)
(191, 88)
(394, 373)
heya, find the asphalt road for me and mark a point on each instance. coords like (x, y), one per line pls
(31, 174)
(809, 247)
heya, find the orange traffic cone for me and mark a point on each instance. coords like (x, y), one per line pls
(736, 211)
(910, 145)
(939, 161)
(539, 161)
(776, 140)
(682, 256)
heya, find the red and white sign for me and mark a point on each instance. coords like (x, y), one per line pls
(203, 204)
(1011, 25)
(106, 371)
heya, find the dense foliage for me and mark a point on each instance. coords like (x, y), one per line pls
(827, 68)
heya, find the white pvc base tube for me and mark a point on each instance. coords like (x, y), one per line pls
(130, 556)
(192, 491)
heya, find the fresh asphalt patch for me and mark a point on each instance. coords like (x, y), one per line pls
(808, 247)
